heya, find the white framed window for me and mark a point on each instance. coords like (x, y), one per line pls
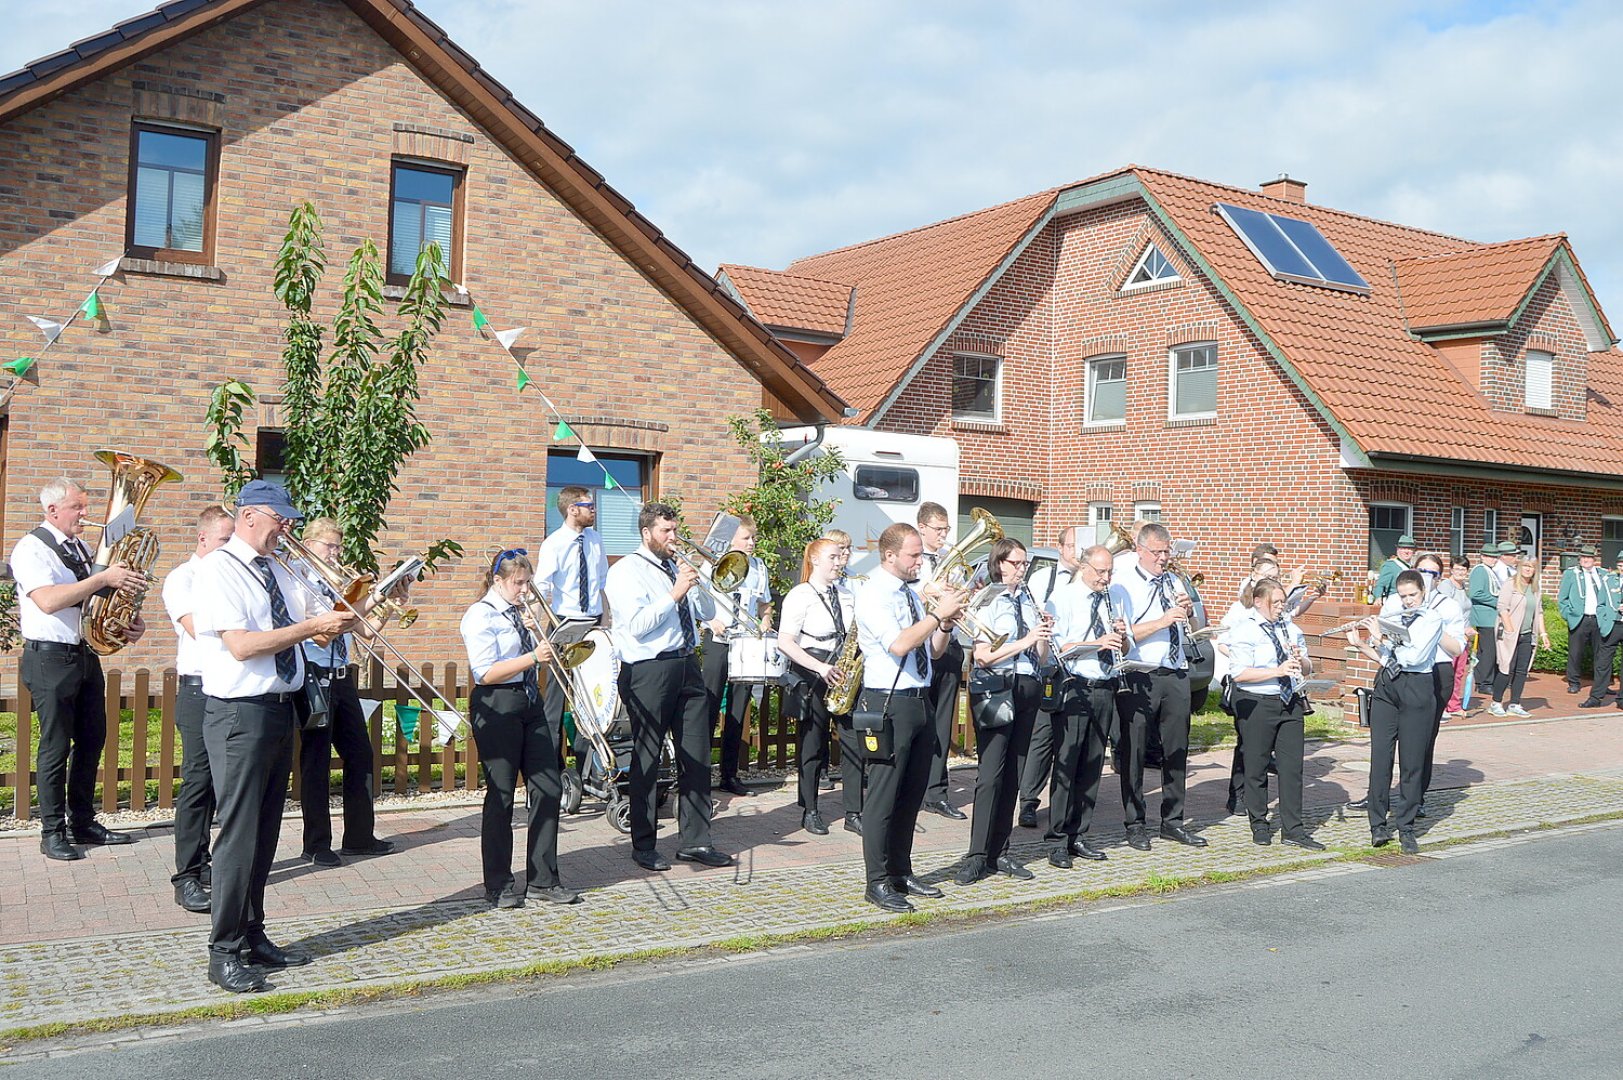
(1106, 401)
(1146, 511)
(1387, 522)
(1152, 268)
(1490, 527)
(1611, 540)
(976, 386)
(1456, 531)
(1539, 376)
(1192, 382)
(1098, 513)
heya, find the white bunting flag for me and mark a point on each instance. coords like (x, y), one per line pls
(586, 454)
(445, 724)
(507, 337)
(49, 327)
(109, 268)
(370, 707)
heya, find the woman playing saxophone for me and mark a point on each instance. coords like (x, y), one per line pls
(818, 634)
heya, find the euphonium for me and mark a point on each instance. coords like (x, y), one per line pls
(842, 696)
(107, 616)
(953, 568)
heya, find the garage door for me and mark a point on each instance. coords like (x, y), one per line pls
(1015, 515)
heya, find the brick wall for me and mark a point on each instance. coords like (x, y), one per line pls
(1548, 323)
(309, 99)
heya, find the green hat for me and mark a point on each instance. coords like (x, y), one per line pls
(1589, 550)
(1490, 548)
(1505, 547)
(1406, 541)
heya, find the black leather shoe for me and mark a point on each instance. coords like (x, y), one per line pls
(265, 953)
(825, 782)
(97, 833)
(1573, 688)
(946, 809)
(853, 823)
(1305, 842)
(1006, 865)
(704, 856)
(190, 894)
(1176, 831)
(323, 857)
(1420, 811)
(813, 823)
(54, 845)
(912, 886)
(1407, 842)
(1262, 837)
(1379, 838)
(229, 973)
(972, 871)
(650, 860)
(886, 898)
(557, 894)
(372, 847)
(1138, 840)
(733, 786)
(1061, 858)
(1028, 817)
(1084, 850)
(1359, 804)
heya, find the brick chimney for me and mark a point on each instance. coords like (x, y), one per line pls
(1285, 188)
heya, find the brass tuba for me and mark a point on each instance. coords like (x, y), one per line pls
(955, 566)
(108, 615)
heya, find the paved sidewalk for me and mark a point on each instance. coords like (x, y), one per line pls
(102, 938)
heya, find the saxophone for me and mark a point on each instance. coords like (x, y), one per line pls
(842, 698)
(107, 617)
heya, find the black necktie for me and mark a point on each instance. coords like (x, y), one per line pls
(1280, 656)
(340, 644)
(689, 638)
(839, 617)
(1096, 629)
(920, 657)
(526, 643)
(287, 665)
(1163, 585)
(585, 575)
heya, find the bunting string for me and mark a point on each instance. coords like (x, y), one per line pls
(53, 329)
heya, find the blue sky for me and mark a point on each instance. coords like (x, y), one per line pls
(756, 131)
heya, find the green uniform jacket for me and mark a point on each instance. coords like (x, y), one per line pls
(1571, 600)
(1388, 581)
(1484, 597)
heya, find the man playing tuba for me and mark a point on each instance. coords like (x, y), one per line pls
(52, 567)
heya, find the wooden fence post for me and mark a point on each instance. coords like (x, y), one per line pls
(113, 702)
(400, 744)
(448, 691)
(25, 751)
(166, 742)
(141, 711)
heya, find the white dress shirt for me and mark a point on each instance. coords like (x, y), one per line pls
(808, 619)
(177, 602)
(999, 617)
(1440, 604)
(229, 594)
(557, 571)
(646, 622)
(1073, 622)
(1424, 645)
(1250, 646)
(751, 593)
(1049, 580)
(882, 615)
(1589, 585)
(1147, 601)
(490, 637)
(34, 565)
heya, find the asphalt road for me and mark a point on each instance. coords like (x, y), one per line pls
(1500, 962)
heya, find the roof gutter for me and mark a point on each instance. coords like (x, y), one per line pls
(1442, 467)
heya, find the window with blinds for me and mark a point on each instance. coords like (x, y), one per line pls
(172, 177)
(424, 208)
(617, 507)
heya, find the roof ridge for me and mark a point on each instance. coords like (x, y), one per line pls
(932, 225)
(1484, 248)
(788, 273)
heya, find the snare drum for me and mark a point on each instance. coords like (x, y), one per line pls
(756, 660)
(596, 686)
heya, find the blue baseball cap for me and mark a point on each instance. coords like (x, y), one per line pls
(269, 495)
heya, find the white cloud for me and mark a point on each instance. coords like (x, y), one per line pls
(757, 131)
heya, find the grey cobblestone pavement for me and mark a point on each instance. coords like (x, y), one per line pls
(147, 963)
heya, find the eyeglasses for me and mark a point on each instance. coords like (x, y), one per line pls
(272, 514)
(1016, 562)
(584, 505)
(1432, 573)
(1159, 553)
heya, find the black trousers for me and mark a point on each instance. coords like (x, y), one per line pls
(667, 697)
(732, 722)
(515, 736)
(345, 731)
(1487, 663)
(70, 696)
(250, 745)
(1516, 678)
(1442, 678)
(942, 704)
(813, 726)
(1400, 712)
(1037, 763)
(1080, 730)
(997, 780)
(853, 769)
(1586, 635)
(194, 806)
(896, 787)
(1271, 731)
(1158, 699)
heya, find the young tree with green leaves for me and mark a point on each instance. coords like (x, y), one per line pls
(781, 500)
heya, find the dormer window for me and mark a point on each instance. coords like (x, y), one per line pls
(1540, 374)
(1152, 268)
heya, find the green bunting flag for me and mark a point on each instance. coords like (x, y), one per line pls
(92, 307)
(479, 320)
(20, 366)
(608, 482)
(561, 432)
(523, 378)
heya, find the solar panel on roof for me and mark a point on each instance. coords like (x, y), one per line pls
(1292, 249)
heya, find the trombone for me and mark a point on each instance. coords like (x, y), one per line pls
(727, 571)
(566, 656)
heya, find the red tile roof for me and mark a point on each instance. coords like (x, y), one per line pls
(908, 287)
(790, 301)
(1478, 285)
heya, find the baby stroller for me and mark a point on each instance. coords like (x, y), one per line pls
(603, 743)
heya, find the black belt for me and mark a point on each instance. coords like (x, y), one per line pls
(907, 691)
(191, 680)
(674, 654)
(330, 674)
(76, 649)
(1093, 684)
(275, 697)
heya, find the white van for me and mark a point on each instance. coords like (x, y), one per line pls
(886, 477)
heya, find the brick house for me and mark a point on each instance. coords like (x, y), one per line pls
(1240, 364)
(182, 139)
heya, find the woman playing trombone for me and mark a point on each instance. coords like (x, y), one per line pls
(511, 730)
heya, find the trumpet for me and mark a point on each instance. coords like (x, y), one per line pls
(1322, 580)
